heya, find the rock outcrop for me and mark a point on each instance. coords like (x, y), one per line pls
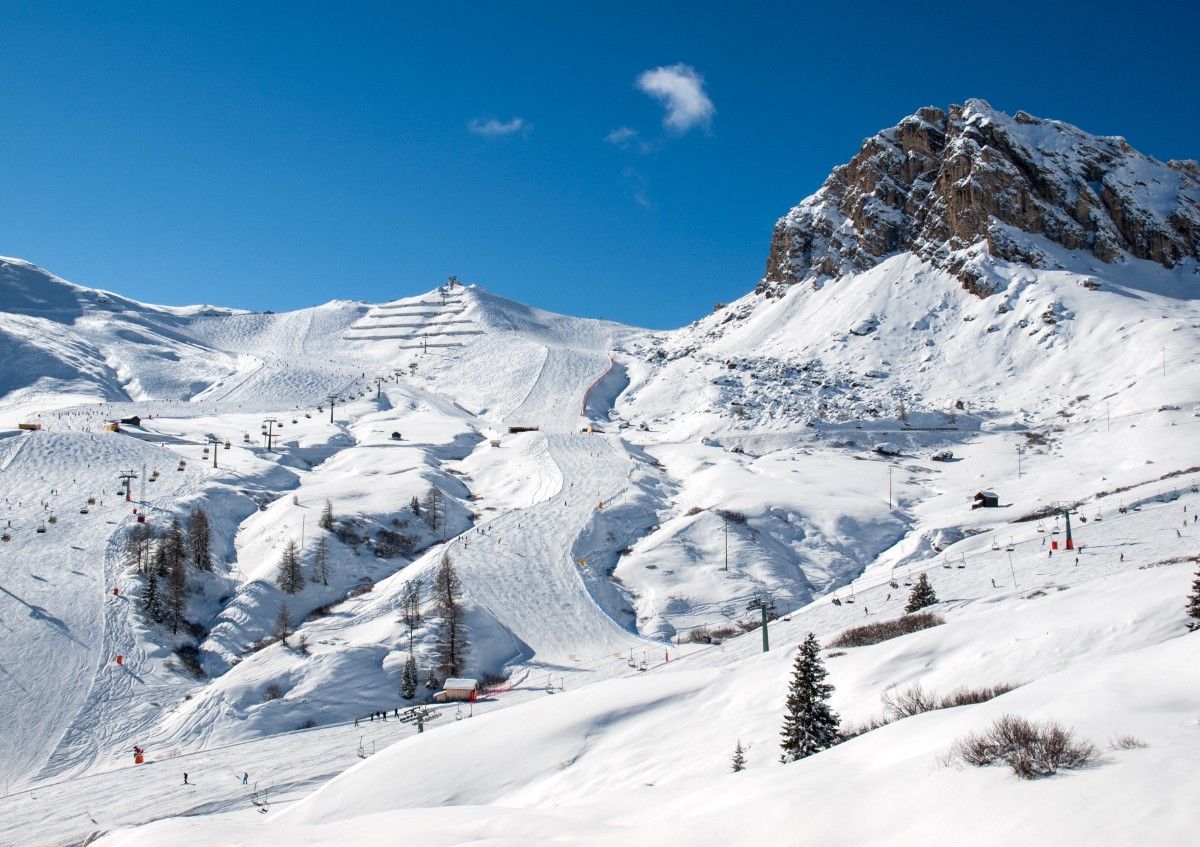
(942, 182)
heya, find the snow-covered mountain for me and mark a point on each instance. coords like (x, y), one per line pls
(975, 301)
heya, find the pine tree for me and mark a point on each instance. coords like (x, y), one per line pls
(288, 575)
(432, 507)
(415, 506)
(151, 602)
(411, 615)
(1193, 606)
(921, 596)
(177, 592)
(809, 725)
(198, 539)
(321, 561)
(408, 682)
(326, 519)
(452, 638)
(738, 763)
(283, 623)
(431, 681)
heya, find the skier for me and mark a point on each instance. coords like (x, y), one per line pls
(245, 777)
(994, 582)
(1122, 557)
(185, 782)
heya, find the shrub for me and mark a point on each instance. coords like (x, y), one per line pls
(189, 657)
(695, 510)
(911, 701)
(732, 516)
(971, 696)
(874, 633)
(1030, 750)
(366, 586)
(1127, 742)
(273, 691)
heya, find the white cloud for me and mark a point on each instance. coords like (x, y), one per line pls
(637, 185)
(681, 91)
(493, 128)
(622, 137)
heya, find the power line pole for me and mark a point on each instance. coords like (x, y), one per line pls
(726, 520)
(269, 431)
(765, 607)
(1020, 450)
(890, 485)
(1164, 361)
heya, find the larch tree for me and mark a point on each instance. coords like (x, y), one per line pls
(411, 613)
(809, 725)
(432, 508)
(138, 547)
(921, 596)
(415, 506)
(199, 536)
(283, 623)
(321, 571)
(173, 546)
(452, 637)
(288, 575)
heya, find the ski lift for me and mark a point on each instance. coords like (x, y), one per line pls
(1098, 517)
(995, 544)
(205, 451)
(227, 445)
(307, 415)
(642, 666)
(41, 528)
(962, 562)
(893, 584)
(1011, 546)
(836, 601)
(52, 519)
(850, 599)
(1041, 528)
(84, 510)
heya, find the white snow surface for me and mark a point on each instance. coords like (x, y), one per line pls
(592, 549)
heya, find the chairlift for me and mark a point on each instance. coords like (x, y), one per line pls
(84, 510)
(52, 519)
(1011, 546)
(893, 584)
(41, 528)
(995, 544)
(1098, 517)
(1041, 528)
(836, 601)
(962, 562)
(227, 444)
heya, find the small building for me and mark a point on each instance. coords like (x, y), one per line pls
(456, 689)
(29, 427)
(986, 500)
(132, 420)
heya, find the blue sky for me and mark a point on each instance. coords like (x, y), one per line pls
(276, 155)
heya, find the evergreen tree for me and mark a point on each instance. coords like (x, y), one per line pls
(411, 615)
(177, 592)
(288, 576)
(1193, 606)
(321, 561)
(452, 638)
(159, 564)
(198, 538)
(809, 725)
(408, 682)
(431, 681)
(921, 596)
(432, 507)
(326, 519)
(415, 506)
(738, 763)
(151, 602)
(283, 623)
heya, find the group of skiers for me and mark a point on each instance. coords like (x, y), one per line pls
(381, 715)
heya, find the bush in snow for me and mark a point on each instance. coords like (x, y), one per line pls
(874, 633)
(922, 595)
(1127, 742)
(809, 725)
(1030, 750)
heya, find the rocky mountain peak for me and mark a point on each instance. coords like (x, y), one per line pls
(943, 182)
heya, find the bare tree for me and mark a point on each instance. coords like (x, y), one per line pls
(321, 561)
(326, 519)
(452, 639)
(283, 623)
(411, 614)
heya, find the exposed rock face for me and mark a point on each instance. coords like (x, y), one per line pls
(940, 182)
